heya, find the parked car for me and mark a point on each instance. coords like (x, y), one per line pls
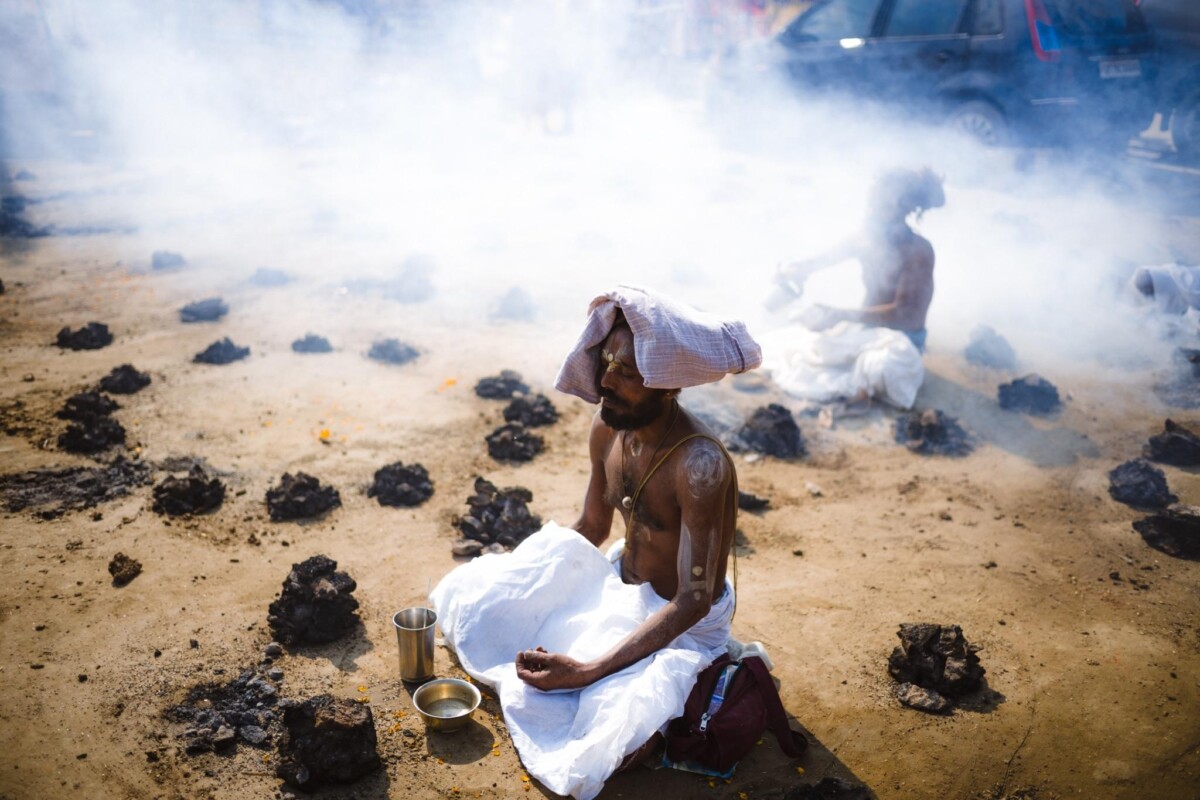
(1001, 70)
(1175, 25)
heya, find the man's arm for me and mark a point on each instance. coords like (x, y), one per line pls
(703, 477)
(595, 521)
(914, 289)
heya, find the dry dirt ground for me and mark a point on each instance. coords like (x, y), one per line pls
(1090, 637)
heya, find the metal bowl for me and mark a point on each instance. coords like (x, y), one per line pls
(446, 704)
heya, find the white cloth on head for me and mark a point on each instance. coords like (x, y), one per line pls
(843, 362)
(676, 346)
(558, 591)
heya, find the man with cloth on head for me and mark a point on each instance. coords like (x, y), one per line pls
(592, 653)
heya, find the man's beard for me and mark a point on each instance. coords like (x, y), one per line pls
(638, 416)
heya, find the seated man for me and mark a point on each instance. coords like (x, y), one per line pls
(897, 262)
(591, 654)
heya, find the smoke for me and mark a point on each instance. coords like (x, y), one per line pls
(560, 147)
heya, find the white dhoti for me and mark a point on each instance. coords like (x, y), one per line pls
(556, 590)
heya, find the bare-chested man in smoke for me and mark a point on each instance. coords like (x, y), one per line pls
(592, 652)
(679, 518)
(897, 262)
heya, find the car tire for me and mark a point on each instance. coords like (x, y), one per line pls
(1185, 127)
(981, 121)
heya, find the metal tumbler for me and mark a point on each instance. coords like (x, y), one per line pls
(414, 635)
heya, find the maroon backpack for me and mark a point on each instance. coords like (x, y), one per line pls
(731, 706)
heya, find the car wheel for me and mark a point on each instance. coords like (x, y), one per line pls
(981, 121)
(1185, 127)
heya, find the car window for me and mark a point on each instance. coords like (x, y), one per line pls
(924, 18)
(837, 19)
(987, 18)
(1080, 19)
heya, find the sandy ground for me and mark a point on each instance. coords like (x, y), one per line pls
(1096, 682)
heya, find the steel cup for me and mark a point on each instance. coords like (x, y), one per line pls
(414, 635)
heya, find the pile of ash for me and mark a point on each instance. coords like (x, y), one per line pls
(221, 352)
(499, 520)
(752, 502)
(932, 433)
(1140, 484)
(220, 715)
(1176, 445)
(504, 386)
(934, 665)
(92, 336)
(532, 412)
(392, 351)
(401, 486)
(770, 430)
(316, 605)
(515, 305)
(71, 489)
(269, 278)
(300, 497)
(165, 259)
(989, 349)
(209, 309)
(92, 430)
(1174, 531)
(311, 343)
(124, 380)
(327, 740)
(1031, 394)
(512, 442)
(195, 494)
(123, 569)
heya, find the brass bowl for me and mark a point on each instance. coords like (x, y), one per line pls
(446, 704)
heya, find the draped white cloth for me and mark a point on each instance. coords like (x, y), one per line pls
(556, 590)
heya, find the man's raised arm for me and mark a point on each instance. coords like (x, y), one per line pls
(596, 519)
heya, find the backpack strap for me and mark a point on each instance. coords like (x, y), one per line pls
(791, 742)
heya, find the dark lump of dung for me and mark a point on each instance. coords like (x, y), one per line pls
(221, 352)
(210, 309)
(196, 493)
(932, 433)
(1141, 484)
(532, 412)
(498, 520)
(300, 497)
(392, 351)
(57, 491)
(316, 606)
(512, 442)
(770, 430)
(166, 259)
(123, 569)
(124, 380)
(268, 278)
(1174, 531)
(989, 349)
(401, 486)
(87, 404)
(1031, 394)
(326, 740)
(92, 336)
(752, 502)
(218, 716)
(934, 665)
(311, 343)
(1176, 445)
(501, 387)
(92, 430)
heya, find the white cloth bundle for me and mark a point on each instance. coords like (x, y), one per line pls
(676, 346)
(556, 590)
(841, 362)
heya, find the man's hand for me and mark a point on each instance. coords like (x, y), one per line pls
(548, 671)
(819, 317)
